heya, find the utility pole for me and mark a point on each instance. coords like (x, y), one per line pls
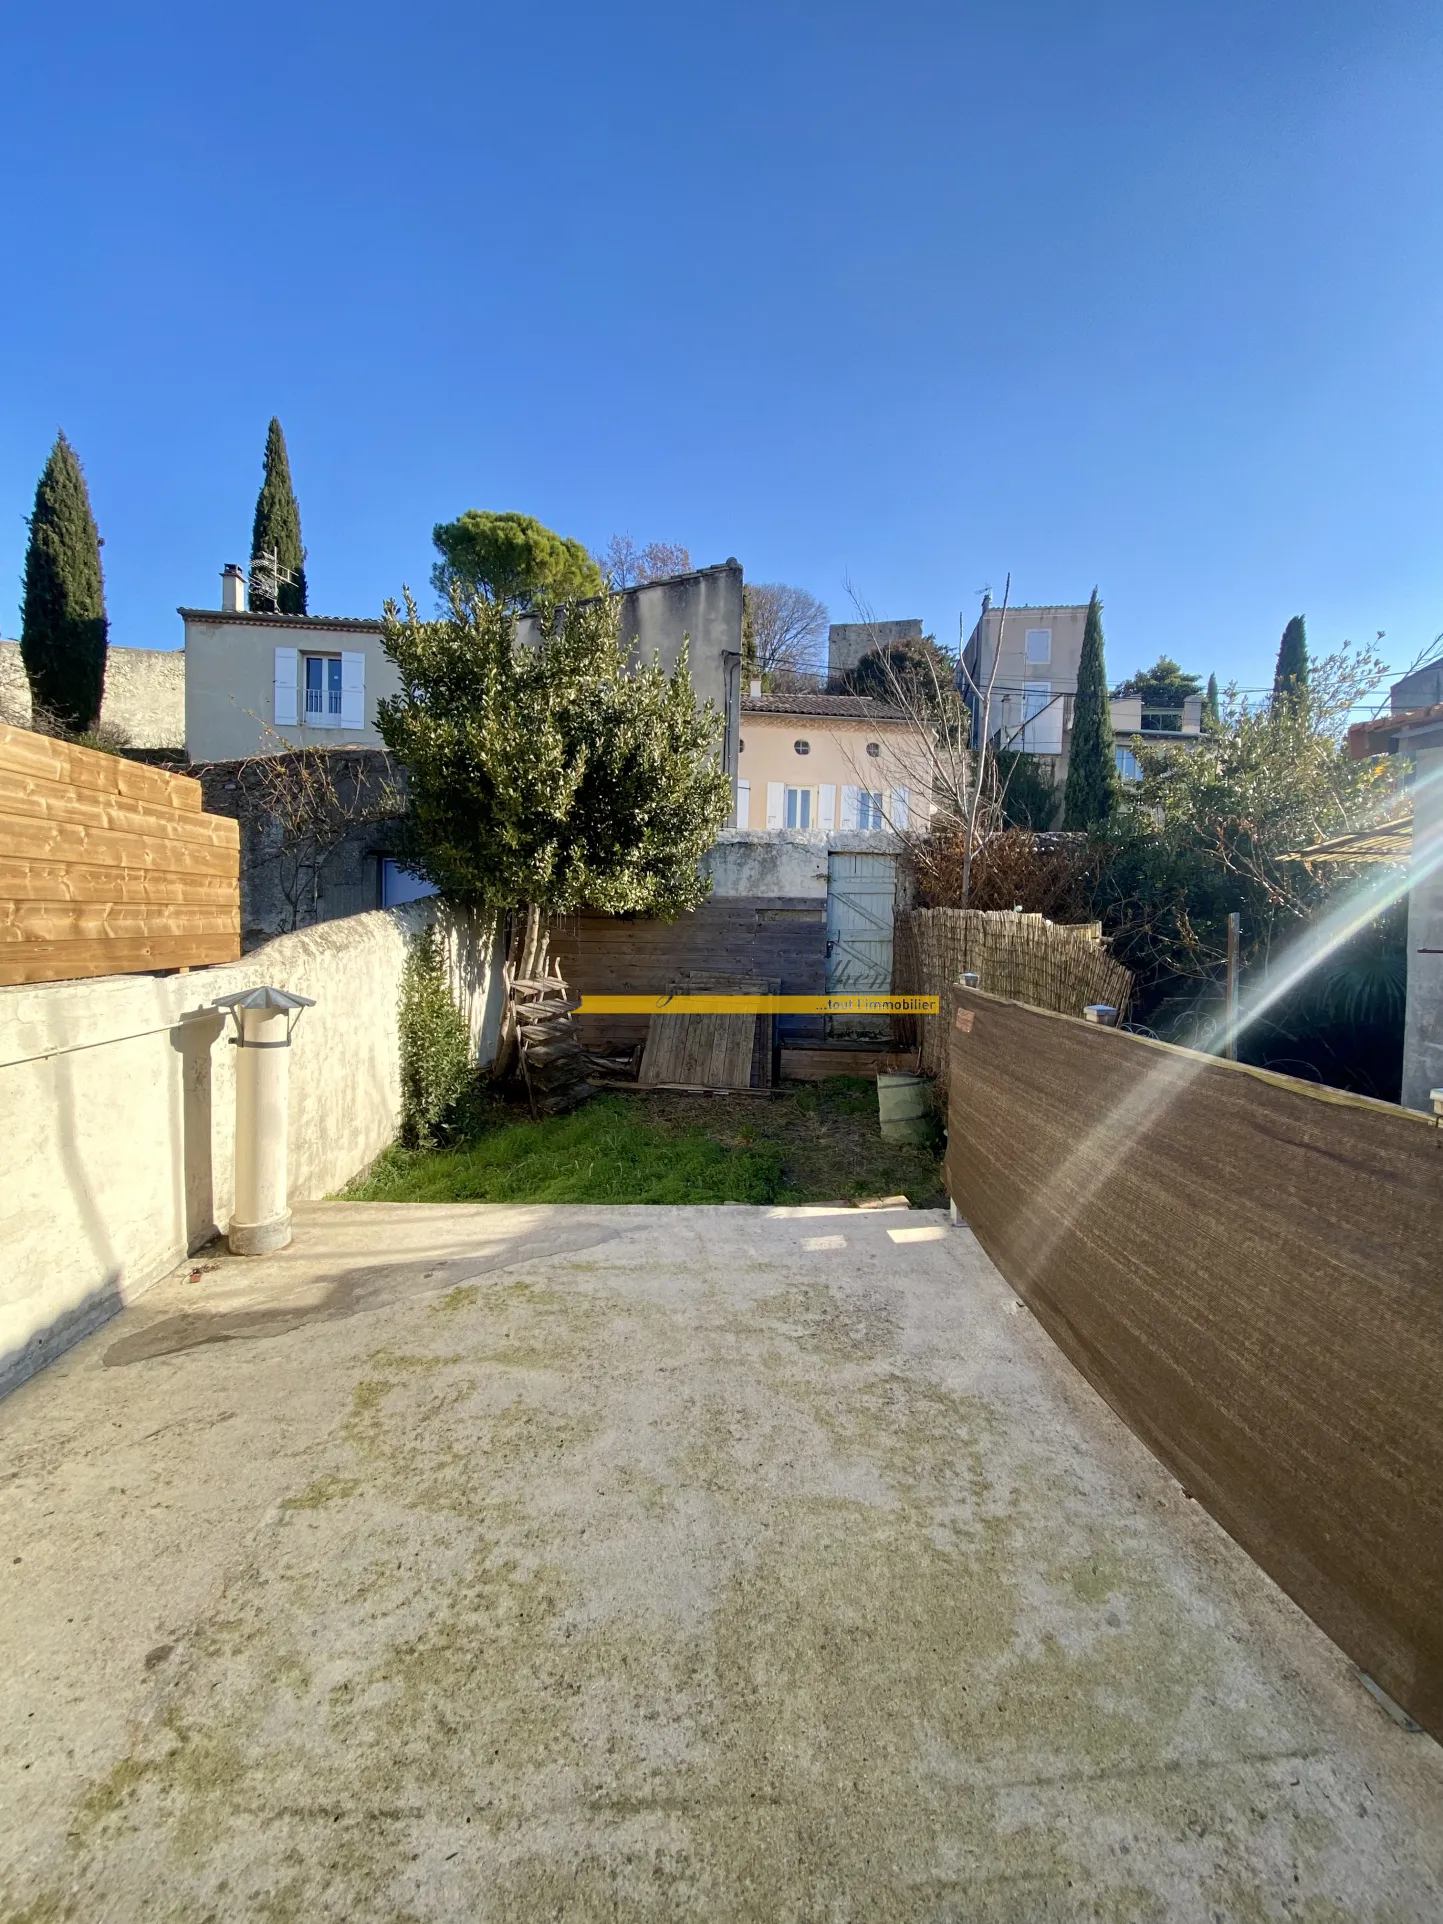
(1235, 939)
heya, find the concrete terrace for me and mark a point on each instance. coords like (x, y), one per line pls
(506, 1563)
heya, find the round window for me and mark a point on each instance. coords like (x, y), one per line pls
(874, 748)
(802, 748)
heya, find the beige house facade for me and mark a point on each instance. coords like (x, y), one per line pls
(817, 764)
(262, 684)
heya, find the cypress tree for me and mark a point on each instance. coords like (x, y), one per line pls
(1290, 677)
(1212, 713)
(63, 628)
(278, 529)
(1093, 788)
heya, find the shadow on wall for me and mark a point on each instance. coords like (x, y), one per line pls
(193, 1039)
(77, 1319)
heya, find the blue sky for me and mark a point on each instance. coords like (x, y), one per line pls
(1147, 295)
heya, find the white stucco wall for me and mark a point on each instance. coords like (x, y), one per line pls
(118, 1099)
(144, 693)
(230, 682)
(784, 863)
(1423, 1024)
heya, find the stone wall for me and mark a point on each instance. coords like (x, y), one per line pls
(315, 828)
(144, 694)
(119, 1099)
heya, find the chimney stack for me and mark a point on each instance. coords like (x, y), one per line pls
(233, 589)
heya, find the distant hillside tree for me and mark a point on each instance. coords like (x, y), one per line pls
(276, 533)
(627, 566)
(1290, 677)
(1167, 684)
(510, 559)
(63, 629)
(1093, 788)
(787, 627)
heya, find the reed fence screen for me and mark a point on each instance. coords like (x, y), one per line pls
(1061, 966)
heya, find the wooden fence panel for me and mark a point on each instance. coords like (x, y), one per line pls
(782, 938)
(1247, 1268)
(108, 867)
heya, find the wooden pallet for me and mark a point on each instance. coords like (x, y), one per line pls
(711, 1051)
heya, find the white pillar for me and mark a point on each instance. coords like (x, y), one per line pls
(260, 1219)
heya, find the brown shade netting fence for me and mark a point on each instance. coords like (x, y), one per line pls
(1247, 1268)
(1023, 958)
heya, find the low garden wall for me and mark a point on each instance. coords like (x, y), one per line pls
(118, 1094)
(1247, 1268)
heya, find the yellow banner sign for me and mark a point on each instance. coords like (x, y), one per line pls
(758, 1005)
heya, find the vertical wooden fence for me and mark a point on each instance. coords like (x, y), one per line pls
(108, 867)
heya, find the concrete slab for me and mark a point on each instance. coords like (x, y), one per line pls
(493, 1563)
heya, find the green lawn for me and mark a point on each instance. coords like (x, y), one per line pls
(809, 1142)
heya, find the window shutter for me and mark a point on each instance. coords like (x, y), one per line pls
(1044, 735)
(827, 807)
(776, 803)
(901, 798)
(285, 687)
(744, 804)
(849, 805)
(353, 691)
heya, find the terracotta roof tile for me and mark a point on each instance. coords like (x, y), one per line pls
(861, 708)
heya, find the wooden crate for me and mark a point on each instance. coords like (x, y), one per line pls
(108, 867)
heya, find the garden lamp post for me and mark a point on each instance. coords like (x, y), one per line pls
(264, 1019)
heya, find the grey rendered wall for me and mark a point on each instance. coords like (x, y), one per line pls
(1422, 689)
(772, 862)
(144, 693)
(848, 641)
(705, 609)
(118, 1095)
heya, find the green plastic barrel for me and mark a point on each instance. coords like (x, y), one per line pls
(904, 1107)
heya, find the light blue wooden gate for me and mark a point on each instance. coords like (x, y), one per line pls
(860, 894)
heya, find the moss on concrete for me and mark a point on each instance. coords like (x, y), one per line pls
(738, 1602)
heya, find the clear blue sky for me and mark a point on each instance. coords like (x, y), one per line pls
(1147, 295)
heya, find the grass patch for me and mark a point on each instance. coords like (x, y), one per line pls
(811, 1142)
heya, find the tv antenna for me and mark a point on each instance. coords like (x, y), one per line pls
(268, 577)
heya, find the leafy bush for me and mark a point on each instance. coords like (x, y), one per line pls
(435, 1046)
